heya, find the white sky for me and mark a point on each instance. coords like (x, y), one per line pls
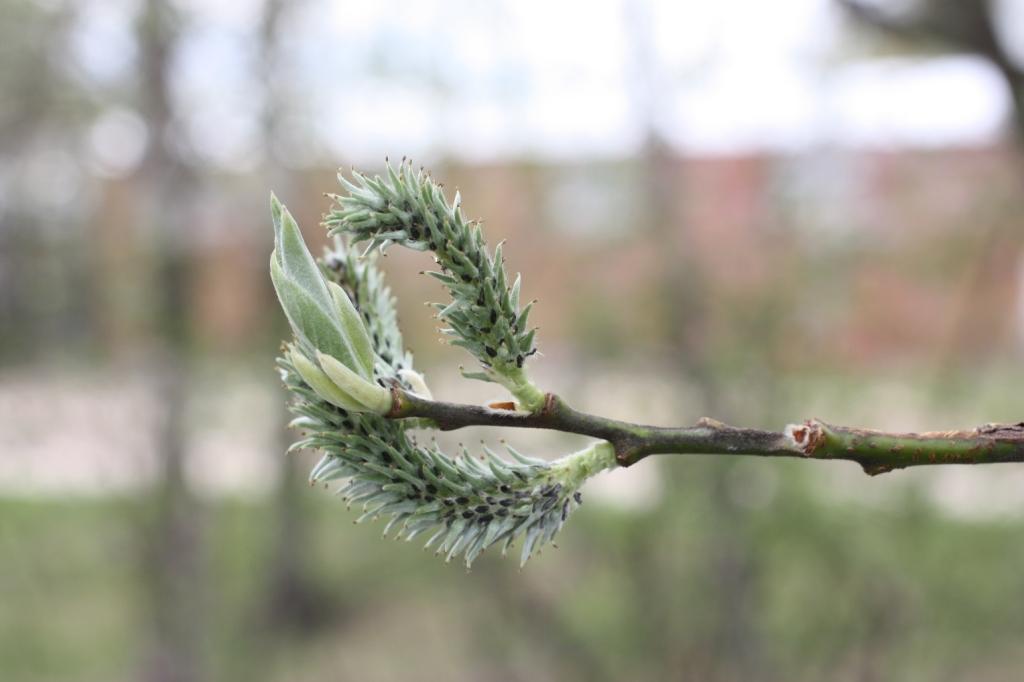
(553, 79)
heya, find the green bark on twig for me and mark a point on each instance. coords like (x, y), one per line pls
(877, 452)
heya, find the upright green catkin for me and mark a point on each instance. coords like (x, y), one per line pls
(407, 207)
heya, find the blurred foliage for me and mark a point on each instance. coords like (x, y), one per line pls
(837, 592)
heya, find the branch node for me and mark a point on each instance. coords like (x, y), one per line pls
(624, 456)
(550, 404)
(807, 437)
(396, 402)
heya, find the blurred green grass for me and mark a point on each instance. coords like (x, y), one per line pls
(825, 591)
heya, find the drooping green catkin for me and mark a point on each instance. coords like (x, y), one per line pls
(484, 316)
(462, 505)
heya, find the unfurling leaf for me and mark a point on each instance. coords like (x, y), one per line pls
(322, 318)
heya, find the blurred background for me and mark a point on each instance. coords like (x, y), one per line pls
(760, 212)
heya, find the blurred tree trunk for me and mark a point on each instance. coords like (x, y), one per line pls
(969, 26)
(292, 600)
(173, 541)
(44, 107)
(729, 650)
(955, 25)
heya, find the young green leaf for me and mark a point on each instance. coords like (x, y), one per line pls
(370, 396)
(312, 324)
(354, 331)
(294, 258)
(322, 384)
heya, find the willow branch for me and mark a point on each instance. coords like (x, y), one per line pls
(355, 395)
(876, 451)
